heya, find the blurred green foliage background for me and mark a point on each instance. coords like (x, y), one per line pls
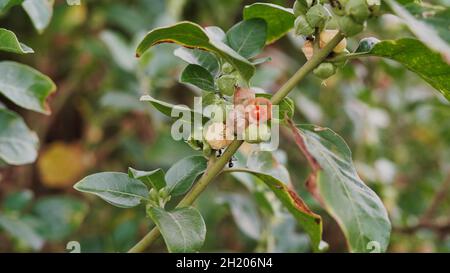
(397, 127)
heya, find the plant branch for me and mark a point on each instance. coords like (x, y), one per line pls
(215, 167)
(309, 66)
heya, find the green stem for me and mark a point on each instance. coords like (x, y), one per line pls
(306, 68)
(216, 166)
(346, 57)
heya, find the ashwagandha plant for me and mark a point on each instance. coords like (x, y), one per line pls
(222, 65)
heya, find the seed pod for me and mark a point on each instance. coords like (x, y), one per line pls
(317, 16)
(325, 70)
(257, 133)
(300, 7)
(349, 27)
(302, 26)
(358, 10)
(216, 135)
(227, 68)
(327, 35)
(227, 84)
(308, 50)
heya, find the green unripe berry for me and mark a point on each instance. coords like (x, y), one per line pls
(227, 84)
(153, 195)
(349, 27)
(257, 133)
(227, 68)
(300, 7)
(318, 16)
(302, 26)
(164, 194)
(358, 10)
(337, 55)
(325, 70)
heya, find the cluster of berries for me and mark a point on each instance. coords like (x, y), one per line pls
(312, 17)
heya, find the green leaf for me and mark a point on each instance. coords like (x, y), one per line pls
(424, 32)
(193, 36)
(356, 208)
(415, 56)
(40, 12)
(185, 113)
(199, 57)
(183, 229)
(7, 4)
(434, 15)
(21, 232)
(17, 201)
(121, 52)
(248, 37)
(25, 86)
(286, 106)
(153, 179)
(181, 175)
(10, 43)
(198, 76)
(276, 177)
(245, 214)
(115, 188)
(60, 216)
(279, 20)
(18, 145)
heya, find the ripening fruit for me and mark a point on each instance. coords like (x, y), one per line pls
(327, 35)
(227, 84)
(256, 133)
(243, 95)
(325, 70)
(317, 16)
(302, 26)
(308, 50)
(349, 27)
(358, 10)
(216, 135)
(259, 110)
(236, 120)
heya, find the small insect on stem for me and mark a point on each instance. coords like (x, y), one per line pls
(219, 153)
(230, 163)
